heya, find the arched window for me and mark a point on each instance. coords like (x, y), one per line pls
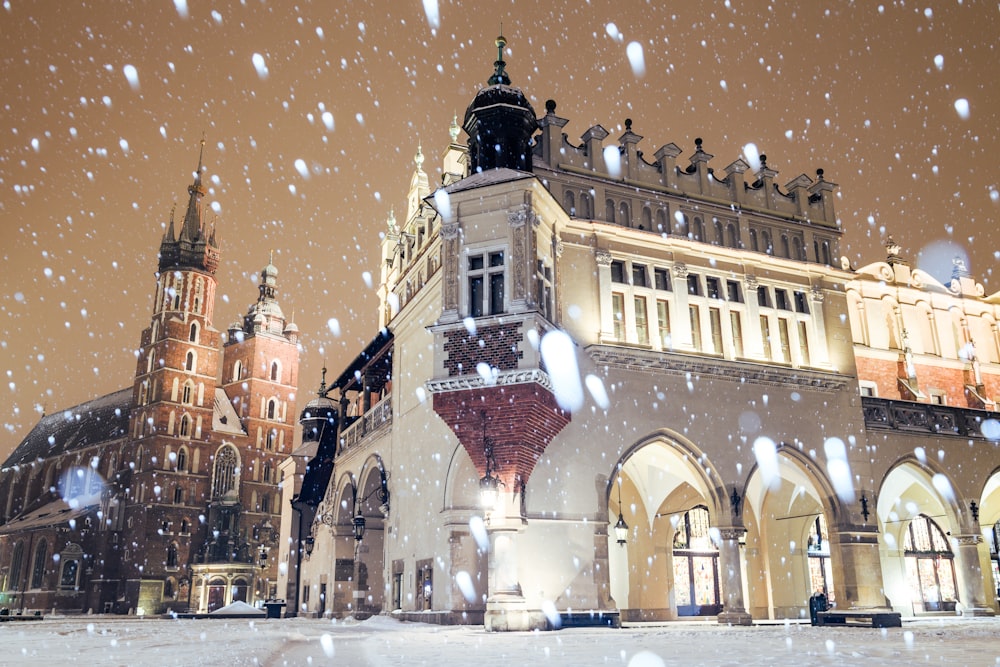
(625, 216)
(272, 408)
(169, 589)
(182, 459)
(185, 527)
(237, 370)
(187, 393)
(754, 245)
(719, 238)
(178, 495)
(798, 250)
(662, 223)
(267, 473)
(647, 219)
(698, 230)
(193, 335)
(696, 566)
(275, 371)
(189, 361)
(586, 206)
(765, 238)
(785, 249)
(172, 555)
(681, 228)
(226, 468)
(38, 564)
(569, 202)
(16, 561)
(140, 454)
(732, 239)
(930, 567)
(827, 259)
(185, 431)
(272, 435)
(239, 590)
(609, 210)
(265, 504)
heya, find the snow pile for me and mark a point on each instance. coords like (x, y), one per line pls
(238, 609)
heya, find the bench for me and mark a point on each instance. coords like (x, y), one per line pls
(861, 618)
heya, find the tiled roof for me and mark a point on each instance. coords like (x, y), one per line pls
(84, 425)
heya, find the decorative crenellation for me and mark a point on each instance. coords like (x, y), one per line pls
(801, 198)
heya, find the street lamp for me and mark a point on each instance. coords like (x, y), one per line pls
(359, 527)
(621, 528)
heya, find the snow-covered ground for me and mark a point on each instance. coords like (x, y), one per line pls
(100, 640)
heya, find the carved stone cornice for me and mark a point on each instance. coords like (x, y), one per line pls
(519, 217)
(817, 294)
(449, 231)
(603, 258)
(750, 280)
(681, 270)
(465, 382)
(732, 533)
(672, 363)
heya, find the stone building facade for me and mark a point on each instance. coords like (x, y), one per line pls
(163, 496)
(649, 368)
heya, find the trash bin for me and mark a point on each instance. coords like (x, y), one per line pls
(817, 603)
(273, 608)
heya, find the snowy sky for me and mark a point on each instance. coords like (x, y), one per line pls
(312, 113)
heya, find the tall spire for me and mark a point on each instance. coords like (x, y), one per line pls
(499, 71)
(195, 247)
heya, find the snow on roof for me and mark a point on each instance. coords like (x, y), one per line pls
(224, 417)
(52, 514)
(91, 423)
(488, 177)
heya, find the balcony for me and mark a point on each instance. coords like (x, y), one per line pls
(378, 416)
(883, 413)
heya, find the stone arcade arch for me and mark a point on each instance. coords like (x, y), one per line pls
(371, 506)
(786, 555)
(934, 557)
(663, 482)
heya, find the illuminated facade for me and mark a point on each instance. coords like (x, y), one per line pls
(162, 497)
(596, 340)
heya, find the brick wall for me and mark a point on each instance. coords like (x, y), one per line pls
(496, 345)
(520, 420)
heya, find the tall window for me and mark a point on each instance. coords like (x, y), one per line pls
(696, 566)
(189, 361)
(803, 344)
(38, 564)
(193, 335)
(930, 567)
(641, 320)
(765, 336)
(275, 371)
(182, 459)
(695, 315)
(486, 283)
(736, 323)
(818, 552)
(715, 325)
(172, 555)
(185, 431)
(267, 473)
(784, 340)
(663, 322)
(272, 435)
(272, 408)
(543, 282)
(618, 314)
(226, 467)
(16, 561)
(186, 393)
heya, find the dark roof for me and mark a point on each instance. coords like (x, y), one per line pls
(373, 350)
(91, 423)
(485, 178)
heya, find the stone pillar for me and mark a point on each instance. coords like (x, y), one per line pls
(733, 610)
(970, 578)
(604, 260)
(506, 608)
(860, 568)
